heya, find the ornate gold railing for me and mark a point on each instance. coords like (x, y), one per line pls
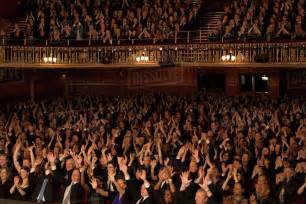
(277, 53)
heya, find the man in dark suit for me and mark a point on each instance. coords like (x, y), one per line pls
(134, 186)
(66, 174)
(203, 194)
(146, 194)
(44, 189)
(74, 191)
(62, 175)
(200, 198)
(146, 191)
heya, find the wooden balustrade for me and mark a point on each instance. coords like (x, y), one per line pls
(217, 53)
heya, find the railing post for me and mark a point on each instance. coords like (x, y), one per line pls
(187, 36)
(11, 53)
(2, 54)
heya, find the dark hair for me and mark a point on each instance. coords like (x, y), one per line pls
(112, 163)
(26, 169)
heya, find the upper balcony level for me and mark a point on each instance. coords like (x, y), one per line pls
(171, 52)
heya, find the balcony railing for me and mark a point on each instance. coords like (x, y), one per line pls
(211, 53)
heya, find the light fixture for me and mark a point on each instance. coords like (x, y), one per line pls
(229, 57)
(49, 59)
(142, 58)
(160, 49)
(264, 78)
(63, 76)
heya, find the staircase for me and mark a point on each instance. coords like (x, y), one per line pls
(209, 14)
(21, 24)
(209, 22)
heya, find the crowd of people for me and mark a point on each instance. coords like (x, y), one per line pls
(262, 19)
(105, 20)
(161, 149)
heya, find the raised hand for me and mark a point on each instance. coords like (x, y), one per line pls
(153, 163)
(16, 180)
(51, 158)
(31, 148)
(204, 184)
(94, 183)
(111, 177)
(184, 179)
(79, 160)
(278, 162)
(122, 164)
(8, 142)
(47, 166)
(83, 148)
(143, 175)
(18, 145)
(161, 174)
(71, 153)
(82, 168)
(201, 172)
(94, 160)
(132, 157)
(195, 154)
(166, 162)
(181, 152)
(123, 168)
(37, 162)
(58, 138)
(109, 157)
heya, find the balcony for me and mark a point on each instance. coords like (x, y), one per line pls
(179, 52)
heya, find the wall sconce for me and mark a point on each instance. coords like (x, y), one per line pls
(49, 59)
(264, 78)
(142, 59)
(228, 58)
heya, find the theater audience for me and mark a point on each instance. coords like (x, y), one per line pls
(106, 20)
(262, 19)
(147, 149)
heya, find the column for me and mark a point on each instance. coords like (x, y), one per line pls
(232, 83)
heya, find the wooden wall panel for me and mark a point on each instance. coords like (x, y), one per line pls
(119, 81)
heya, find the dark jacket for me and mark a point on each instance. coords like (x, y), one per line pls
(76, 195)
(49, 195)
